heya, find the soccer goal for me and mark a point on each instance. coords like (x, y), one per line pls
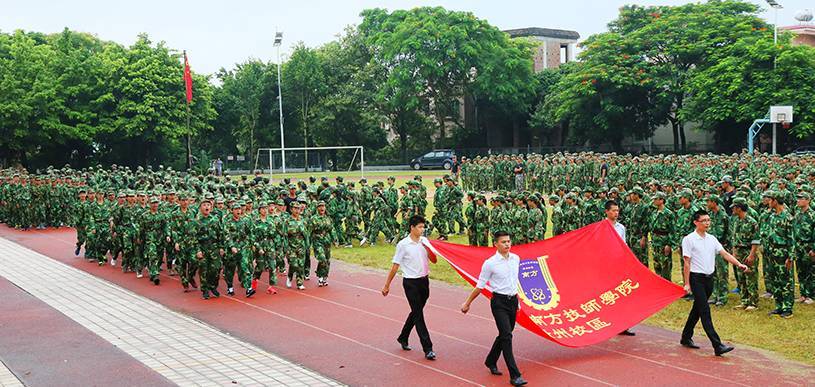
(349, 158)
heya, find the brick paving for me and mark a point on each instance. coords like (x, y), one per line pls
(182, 349)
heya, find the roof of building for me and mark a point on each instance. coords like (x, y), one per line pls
(543, 32)
(806, 29)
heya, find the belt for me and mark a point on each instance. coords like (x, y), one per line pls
(703, 274)
(504, 295)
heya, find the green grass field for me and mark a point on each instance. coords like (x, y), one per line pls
(792, 338)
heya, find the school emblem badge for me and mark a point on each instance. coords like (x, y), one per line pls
(535, 285)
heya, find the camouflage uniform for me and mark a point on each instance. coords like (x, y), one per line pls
(804, 235)
(719, 227)
(778, 246)
(296, 240)
(237, 236)
(208, 235)
(745, 235)
(321, 237)
(661, 227)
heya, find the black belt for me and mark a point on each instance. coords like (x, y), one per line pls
(703, 275)
(415, 279)
(507, 296)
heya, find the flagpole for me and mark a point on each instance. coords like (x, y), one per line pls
(187, 99)
(189, 146)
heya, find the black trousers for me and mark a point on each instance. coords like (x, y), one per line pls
(417, 291)
(504, 309)
(701, 285)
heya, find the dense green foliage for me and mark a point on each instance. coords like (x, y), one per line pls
(711, 63)
(395, 84)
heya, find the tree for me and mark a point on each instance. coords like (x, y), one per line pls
(305, 85)
(670, 44)
(149, 96)
(27, 95)
(429, 58)
(240, 97)
(347, 113)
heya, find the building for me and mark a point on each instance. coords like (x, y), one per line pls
(555, 48)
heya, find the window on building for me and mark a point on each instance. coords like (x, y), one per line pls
(564, 53)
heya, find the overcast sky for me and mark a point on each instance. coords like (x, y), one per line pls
(221, 33)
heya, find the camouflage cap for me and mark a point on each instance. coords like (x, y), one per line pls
(686, 193)
(804, 195)
(154, 199)
(659, 195)
(236, 205)
(737, 201)
(714, 198)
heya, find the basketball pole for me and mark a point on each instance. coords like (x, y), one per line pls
(774, 138)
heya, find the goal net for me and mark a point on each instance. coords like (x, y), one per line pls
(312, 159)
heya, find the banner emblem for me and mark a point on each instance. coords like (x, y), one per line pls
(536, 287)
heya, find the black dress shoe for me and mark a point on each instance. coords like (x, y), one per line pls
(250, 292)
(723, 349)
(494, 370)
(627, 332)
(205, 295)
(519, 381)
(76, 252)
(689, 343)
(404, 344)
(430, 355)
(216, 293)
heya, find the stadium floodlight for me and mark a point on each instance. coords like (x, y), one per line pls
(278, 40)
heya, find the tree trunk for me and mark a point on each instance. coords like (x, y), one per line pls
(516, 132)
(617, 144)
(675, 129)
(682, 137)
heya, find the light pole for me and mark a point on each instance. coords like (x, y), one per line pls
(774, 4)
(278, 39)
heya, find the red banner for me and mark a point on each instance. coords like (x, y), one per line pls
(187, 78)
(576, 289)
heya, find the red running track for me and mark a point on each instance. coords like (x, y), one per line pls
(347, 331)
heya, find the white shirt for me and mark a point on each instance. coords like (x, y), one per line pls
(501, 273)
(702, 252)
(412, 257)
(620, 230)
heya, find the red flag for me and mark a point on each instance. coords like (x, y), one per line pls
(576, 289)
(187, 78)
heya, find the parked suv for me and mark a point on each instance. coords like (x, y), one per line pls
(438, 158)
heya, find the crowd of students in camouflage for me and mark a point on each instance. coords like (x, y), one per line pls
(208, 225)
(759, 207)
